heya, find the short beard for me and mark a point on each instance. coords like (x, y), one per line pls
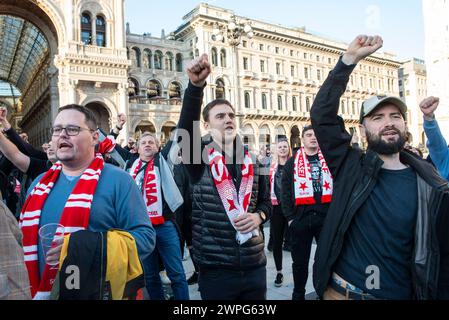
(376, 144)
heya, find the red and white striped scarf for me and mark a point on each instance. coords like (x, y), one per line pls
(234, 204)
(273, 170)
(107, 145)
(75, 217)
(303, 180)
(151, 189)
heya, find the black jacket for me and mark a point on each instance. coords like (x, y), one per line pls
(131, 157)
(289, 208)
(355, 175)
(214, 237)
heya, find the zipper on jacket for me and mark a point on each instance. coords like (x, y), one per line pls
(344, 223)
(432, 267)
(102, 266)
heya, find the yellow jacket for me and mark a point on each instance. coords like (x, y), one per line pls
(124, 273)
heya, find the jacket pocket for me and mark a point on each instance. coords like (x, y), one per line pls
(4, 286)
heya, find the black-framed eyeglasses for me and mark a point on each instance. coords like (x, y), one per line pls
(70, 130)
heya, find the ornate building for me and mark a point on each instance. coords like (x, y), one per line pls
(271, 78)
(79, 52)
(62, 52)
(412, 90)
(436, 26)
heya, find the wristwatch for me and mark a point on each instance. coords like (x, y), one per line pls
(262, 216)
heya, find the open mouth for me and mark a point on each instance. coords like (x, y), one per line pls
(390, 133)
(64, 146)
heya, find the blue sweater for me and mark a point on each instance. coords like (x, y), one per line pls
(438, 149)
(117, 204)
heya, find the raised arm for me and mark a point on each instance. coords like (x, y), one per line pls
(13, 154)
(438, 149)
(329, 128)
(198, 70)
(14, 137)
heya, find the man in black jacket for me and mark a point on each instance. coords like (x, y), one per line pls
(227, 245)
(305, 204)
(385, 235)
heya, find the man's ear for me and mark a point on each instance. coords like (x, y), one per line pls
(206, 125)
(362, 130)
(96, 138)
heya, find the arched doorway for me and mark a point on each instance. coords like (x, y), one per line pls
(101, 114)
(144, 126)
(295, 139)
(166, 130)
(30, 33)
(264, 136)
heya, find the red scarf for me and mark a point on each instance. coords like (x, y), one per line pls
(234, 204)
(303, 180)
(151, 189)
(107, 145)
(273, 170)
(75, 217)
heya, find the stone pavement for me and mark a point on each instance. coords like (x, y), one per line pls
(273, 293)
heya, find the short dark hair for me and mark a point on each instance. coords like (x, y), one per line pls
(212, 104)
(91, 121)
(305, 129)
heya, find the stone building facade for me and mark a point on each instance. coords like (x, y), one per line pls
(91, 58)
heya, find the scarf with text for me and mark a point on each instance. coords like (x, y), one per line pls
(273, 170)
(148, 180)
(304, 194)
(75, 217)
(233, 203)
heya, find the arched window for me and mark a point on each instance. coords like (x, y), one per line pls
(133, 87)
(158, 60)
(154, 89)
(214, 57)
(136, 57)
(264, 101)
(169, 61)
(101, 31)
(174, 90)
(279, 102)
(223, 58)
(179, 62)
(343, 107)
(247, 100)
(220, 89)
(294, 104)
(86, 28)
(147, 56)
(308, 104)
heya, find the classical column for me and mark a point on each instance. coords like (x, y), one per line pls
(54, 92)
(72, 91)
(123, 107)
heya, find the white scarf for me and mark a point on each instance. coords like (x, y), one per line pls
(233, 203)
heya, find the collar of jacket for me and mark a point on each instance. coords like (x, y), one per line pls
(425, 170)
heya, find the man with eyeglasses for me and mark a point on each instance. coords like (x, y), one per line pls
(82, 180)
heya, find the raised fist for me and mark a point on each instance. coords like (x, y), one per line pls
(3, 113)
(428, 107)
(198, 70)
(361, 47)
(121, 120)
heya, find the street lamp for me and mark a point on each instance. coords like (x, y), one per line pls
(233, 32)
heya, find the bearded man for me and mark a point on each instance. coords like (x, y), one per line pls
(385, 235)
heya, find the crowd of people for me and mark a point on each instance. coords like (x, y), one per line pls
(124, 214)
